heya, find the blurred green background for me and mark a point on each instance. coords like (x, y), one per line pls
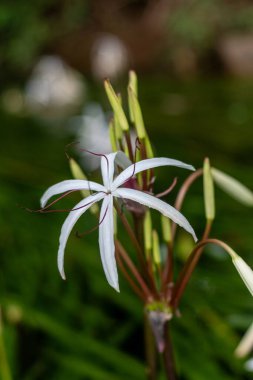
(195, 68)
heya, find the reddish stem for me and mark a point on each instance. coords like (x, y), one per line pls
(189, 267)
(182, 193)
(134, 271)
(129, 145)
(135, 288)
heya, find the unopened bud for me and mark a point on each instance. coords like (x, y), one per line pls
(133, 85)
(137, 114)
(208, 191)
(116, 106)
(233, 187)
(166, 229)
(156, 248)
(148, 233)
(113, 136)
(246, 344)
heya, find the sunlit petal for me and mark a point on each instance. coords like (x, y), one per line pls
(106, 242)
(153, 202)
(68, 185)
(150, 163)
(69, 224)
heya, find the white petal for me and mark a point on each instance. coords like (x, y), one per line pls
(107, 166)
(145, 165)
(106, 242)
(153, 202)
(72, 184)
(69, 224)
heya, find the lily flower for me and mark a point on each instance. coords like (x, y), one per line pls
(112, 188)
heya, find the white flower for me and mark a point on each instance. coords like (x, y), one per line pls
(106, 192)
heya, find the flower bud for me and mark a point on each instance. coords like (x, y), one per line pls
(136, 114)
(156, 249)
(244, 271)
(133, 84)
(166, 229)
(208, 191)
(113, 136)
(246, 344)
(116, 106)
(233, 187)
(148, 233)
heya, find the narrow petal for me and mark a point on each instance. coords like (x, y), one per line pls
(69, 224)
(145, 165)
(107, 166)
(72, 184)
(106, 242)
(153, 202)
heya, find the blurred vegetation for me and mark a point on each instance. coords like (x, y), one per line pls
(28, 29)
(81, 328)
(199, 23)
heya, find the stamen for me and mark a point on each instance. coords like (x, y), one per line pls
(87, 151)
(137, 147)
(99, 155)
(45, 211)
(66, 210)
(50, 204)
(80, 235)
(165, 192)
(68, 145)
